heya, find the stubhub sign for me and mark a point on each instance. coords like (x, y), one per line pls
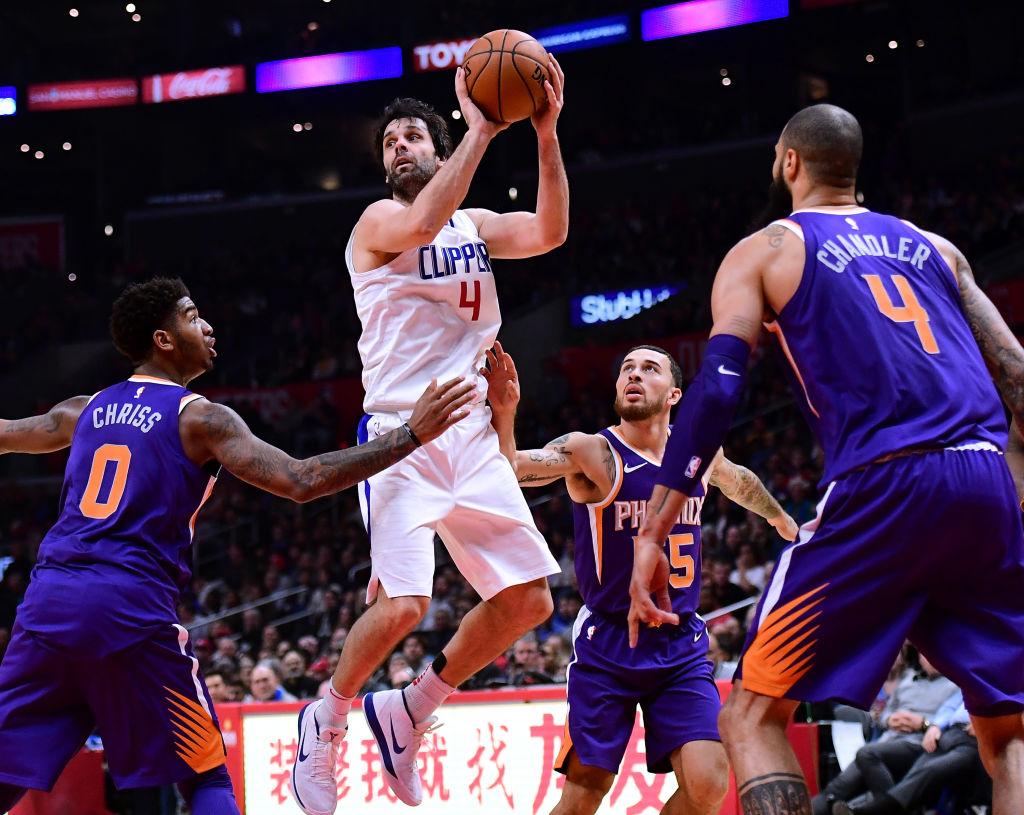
(607, 307)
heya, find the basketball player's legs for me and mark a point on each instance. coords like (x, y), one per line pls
(1001, 744)
(753, 728)
(374, 636)
(585, 787)
(44, 717)
(158, 722)
(702, 772)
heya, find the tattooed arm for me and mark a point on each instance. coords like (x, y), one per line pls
(584, 461)
(214, 432)
(741, 486)
(1002, 352)
(42, 434)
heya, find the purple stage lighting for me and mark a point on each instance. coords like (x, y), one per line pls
(707, 15)
(329, 69)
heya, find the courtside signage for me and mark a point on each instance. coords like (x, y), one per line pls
(328, 69)
(193, 84)
(8, 100)
(707, 15)
(587, 34)
(439, 56)
(610, 306)
(98, 93)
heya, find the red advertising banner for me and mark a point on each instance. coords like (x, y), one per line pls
(439, 56)
(32, 242)
(193, 84)
(98, 93)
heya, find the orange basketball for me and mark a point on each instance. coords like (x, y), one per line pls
(505, 74)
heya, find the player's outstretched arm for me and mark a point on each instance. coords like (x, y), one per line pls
(526, 234)
(42, 434)
(503, 393)
(213, 431)
(390, 227)
(742, 487)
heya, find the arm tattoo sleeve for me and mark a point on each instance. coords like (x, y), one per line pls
(744, 488)
(1001, 350)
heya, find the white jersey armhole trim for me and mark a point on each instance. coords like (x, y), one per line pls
(188, 400)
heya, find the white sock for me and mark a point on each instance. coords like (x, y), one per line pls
(337, 708)
(426, 694)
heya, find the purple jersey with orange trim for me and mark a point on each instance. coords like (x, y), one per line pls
(119, 555)
(606, 533)
(877, 343)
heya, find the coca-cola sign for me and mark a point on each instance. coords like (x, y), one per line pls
(193, 84)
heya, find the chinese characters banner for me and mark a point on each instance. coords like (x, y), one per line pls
(493, 758)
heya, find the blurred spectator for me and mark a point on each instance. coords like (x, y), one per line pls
(294, 678)
(217, 685)
(749, 573)
(527, 666)
(416, 657)
(724, 592)
(555, 655)
(265, 684)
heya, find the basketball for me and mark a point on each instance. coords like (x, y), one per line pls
(505, 74)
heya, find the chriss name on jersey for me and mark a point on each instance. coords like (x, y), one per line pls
(634, 512)
(136, 415)
(441, 261)
(838, 253)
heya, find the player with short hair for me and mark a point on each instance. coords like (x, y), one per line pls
(609, 474)
(918, 532)
(96, 641)
(424, 289)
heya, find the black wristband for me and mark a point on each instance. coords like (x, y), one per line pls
(412, 435)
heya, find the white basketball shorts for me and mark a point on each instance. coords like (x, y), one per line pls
(462, 487)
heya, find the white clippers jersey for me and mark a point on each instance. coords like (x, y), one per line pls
(428, 314)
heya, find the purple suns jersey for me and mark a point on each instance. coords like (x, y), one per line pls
(120, 553)
(878, 345)
(606, 532)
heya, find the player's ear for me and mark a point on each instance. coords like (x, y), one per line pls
(791, 165)
(163, 340)
(674, 396)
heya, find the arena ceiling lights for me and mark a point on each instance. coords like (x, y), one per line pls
(707, 15)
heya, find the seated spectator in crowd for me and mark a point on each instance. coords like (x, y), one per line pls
(567, 608)
(726, 593)
(265, 684)
(251, 636)
(400, 672)
(294, 678)
(527, 667)
(416, 657)
(203, 649)
(217, 685)
(799, 505)
(729, 634)
(904, 721)
(950, 761)
(555, 655)
(749, 573)
(725, 663)
(443, 631)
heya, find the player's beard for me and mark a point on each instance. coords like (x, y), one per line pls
(407, 185)
(780, 203)
(636, 411)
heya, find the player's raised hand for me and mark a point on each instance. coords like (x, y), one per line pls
(785, 526)
(544, 119)
(440, 407)
(650, 576)
(475, 119)
(502, 380)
